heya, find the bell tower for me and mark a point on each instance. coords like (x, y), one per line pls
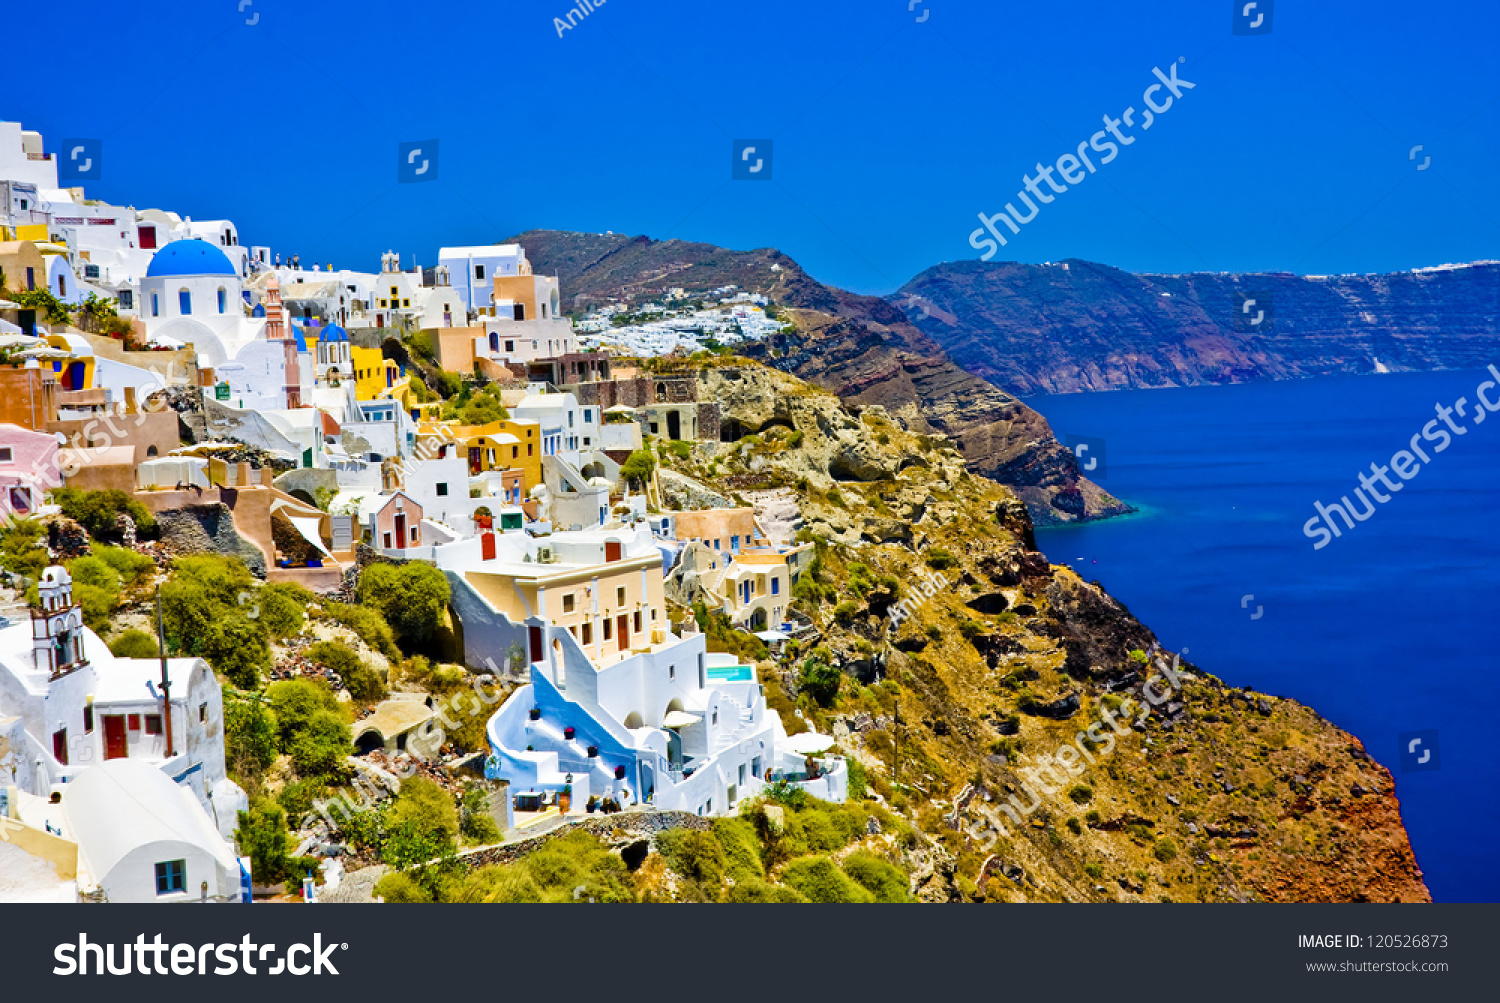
(57, 627)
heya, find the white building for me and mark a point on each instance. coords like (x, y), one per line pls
(472, 271)
(82, 706)
(672, 726)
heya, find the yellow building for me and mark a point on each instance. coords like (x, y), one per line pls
(757, 586)
(373, 373)
(612, 609)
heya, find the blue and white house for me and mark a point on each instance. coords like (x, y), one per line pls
(673, 726)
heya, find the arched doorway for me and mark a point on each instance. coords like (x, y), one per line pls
(633, 720)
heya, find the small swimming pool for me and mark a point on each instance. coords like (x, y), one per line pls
(732, 673)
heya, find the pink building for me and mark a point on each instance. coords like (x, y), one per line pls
(28, 469)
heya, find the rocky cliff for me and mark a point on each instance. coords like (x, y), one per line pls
(970, 664)
(859, 347)
(1075, 325)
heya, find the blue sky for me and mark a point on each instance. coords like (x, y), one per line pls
(890, 133)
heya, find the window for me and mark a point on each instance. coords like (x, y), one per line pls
(442, 490)
(637, 621)
(608, 628)
(742, 775)
(31, 284)
(568, 603)
(184, 302)
(155, 306)
(479, 271)
(171, 877)
(414, 534)
(135, 722)
(88, 719)
(671, 672)
(775, 586)
(734, 544)
(515, 452)
(510, 346)
(60, 746)
(223, 298)
(716, 716)
(620, 596)
(387, 541)
(203, 713)
(588, 633)
(5, 455)
(153, 724)
(127, 299)
(588, 414)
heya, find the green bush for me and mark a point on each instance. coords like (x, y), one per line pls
(262, 836)
(395, 887)
(1094, 871)
(97, 605)
(368, 625)
(422, 824)
(97, 511)
(135, 644)
(638, 467)
(310, 725)
(249, 737)
(880, 878)
(132, 567)
(697, 856)
(858, 781)
(411, 597)
(741, 848)
(939, 559)
(21, 549)
(364, 683)
(819, 880)
(92, 570)
(475, 822)
(281, 609)
(756, 891)
(237, 647)
(1165, 850)
(1081, 793)
(562, 865)
(820, 681)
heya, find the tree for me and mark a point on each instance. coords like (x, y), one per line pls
(249, 737)
(412, 597)
(262, 837)
(421, 826)
(820, 680)
(638, 467)
(310, 725)
(236, 646)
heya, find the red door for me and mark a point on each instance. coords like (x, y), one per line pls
(536, 643)
(400, 531)
(148, 238)
(114, 736)
(611, 550)
(622, 632)
(487, 546)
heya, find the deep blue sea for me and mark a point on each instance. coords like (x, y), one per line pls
(1389, 629)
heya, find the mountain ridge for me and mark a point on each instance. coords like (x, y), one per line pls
(1074, 325)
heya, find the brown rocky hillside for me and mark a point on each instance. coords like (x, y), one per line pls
(1217, 794)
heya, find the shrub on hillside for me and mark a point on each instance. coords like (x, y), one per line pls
(135, 644)
(820, 880)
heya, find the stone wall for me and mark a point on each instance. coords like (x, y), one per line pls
(645, 824)
(208, 529)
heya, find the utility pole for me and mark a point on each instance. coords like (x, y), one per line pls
(166, 683)
(896, 764)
